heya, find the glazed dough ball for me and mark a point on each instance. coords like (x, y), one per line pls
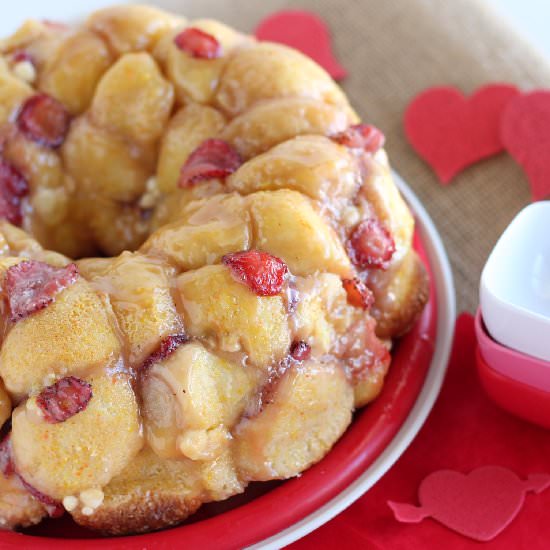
(13, 92)
(258, 326)
(287, 226)
(313, 165)
(104, 164)
(139, 291)
(276, 120)
(309, 409)
(72, 74)
(191, 400)
(132, 28)
(133, 99)
(249, 79)
(86, 450)
(70, 336)
(187, 129)
(195, 79)
(206, 231)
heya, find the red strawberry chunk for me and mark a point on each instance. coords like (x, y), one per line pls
(361, 136)
(213, 158)
(371, 245)
(359, 294)
(168, 346)
(198, 44)
(54, 24)
(32, 285)
(365, 351)
(13, 187)
(64, 399)
(300, 350)
(53, 507)
(6, 464)
(44, 120)
(21, 55)
(263, 273)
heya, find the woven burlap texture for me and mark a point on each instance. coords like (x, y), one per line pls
(394, 49)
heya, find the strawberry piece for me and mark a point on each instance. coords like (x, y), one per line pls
(263, 273)
(213, 158)
(198, 44)
(300, 350)
(44, 120)
(359, 294)
(21, 55)
(168, 346)
(13, 187)
(361, 136)
(55, 25)
(64, 399)
(32, 285)
(53, 507)
(365, 351)
(6, 464)
(371, 245)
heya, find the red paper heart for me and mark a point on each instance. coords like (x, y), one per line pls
(478, 505)
(537, 169)
(525, 132)
(451, 131)
(304, 31)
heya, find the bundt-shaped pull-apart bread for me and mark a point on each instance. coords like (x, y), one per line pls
(240, 262)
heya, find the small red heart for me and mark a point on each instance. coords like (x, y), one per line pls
(451, 131)
(537, 169)
(304, 31)
(478, 505)
(525, 132)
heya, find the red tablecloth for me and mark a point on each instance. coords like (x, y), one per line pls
(464, 431)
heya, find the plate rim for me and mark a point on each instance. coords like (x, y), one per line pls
(446, 317)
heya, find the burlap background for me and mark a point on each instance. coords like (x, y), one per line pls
(396, 48)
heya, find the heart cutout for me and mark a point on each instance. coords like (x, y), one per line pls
(537, 169)
(451, 131)
(525, 132)
(306, 32)
(478, 505)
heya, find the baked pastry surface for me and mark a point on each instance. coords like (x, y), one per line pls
(211, 262)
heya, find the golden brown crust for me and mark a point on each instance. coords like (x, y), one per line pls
(139, 513)
(153, 493)
(410, 288)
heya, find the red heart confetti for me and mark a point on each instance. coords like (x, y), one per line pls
(525, 132)
(306, 32)
(478, 505)
(451, 131)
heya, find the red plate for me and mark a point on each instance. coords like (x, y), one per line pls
(268, 508)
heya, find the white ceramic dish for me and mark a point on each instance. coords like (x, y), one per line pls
(515, 284)
(66, 10)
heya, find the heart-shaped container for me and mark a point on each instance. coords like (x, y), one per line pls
(516, 381)
(515, 284)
